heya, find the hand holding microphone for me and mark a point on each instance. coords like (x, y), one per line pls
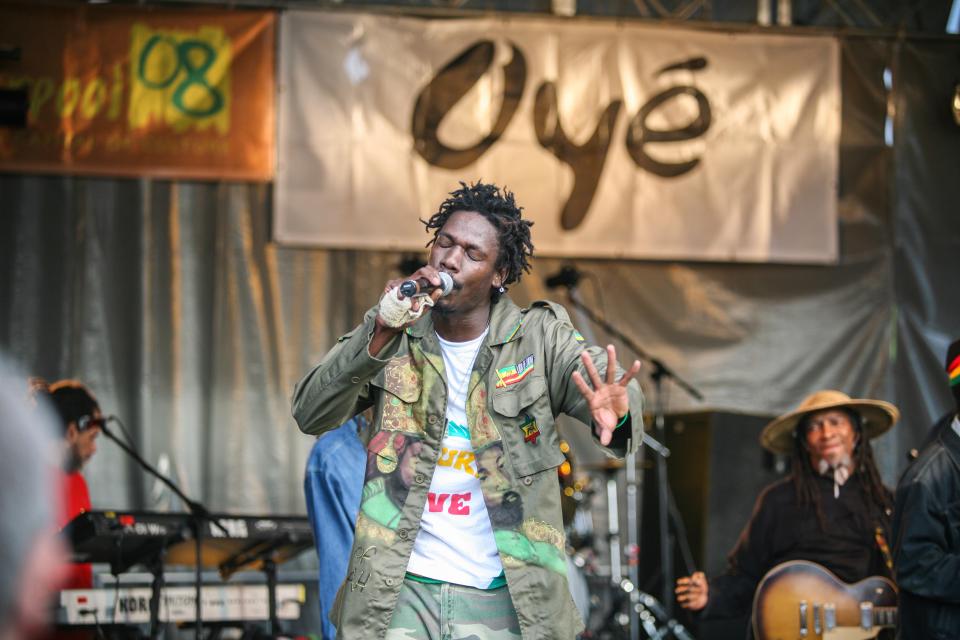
(422, 286)
(402, 304)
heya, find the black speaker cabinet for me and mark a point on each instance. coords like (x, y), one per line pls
(716, 470)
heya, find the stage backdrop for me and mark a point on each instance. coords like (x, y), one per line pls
(620, 140)
(134, 92)
(170, 300)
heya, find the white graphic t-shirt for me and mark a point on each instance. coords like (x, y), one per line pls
(455, 543)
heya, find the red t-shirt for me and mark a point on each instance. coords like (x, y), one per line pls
(76, 501)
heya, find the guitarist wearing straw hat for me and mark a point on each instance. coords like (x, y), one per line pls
(927, 528)
(833, 509)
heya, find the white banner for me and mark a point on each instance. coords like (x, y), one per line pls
(618, 140)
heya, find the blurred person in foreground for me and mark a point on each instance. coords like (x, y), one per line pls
(33, 556)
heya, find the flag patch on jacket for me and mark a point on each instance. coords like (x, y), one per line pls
(530, 430)
(515, 372)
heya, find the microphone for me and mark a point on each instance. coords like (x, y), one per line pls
(85, 422)
(568, 276)
(410, 288)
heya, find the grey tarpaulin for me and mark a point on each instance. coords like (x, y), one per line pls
(927, 230)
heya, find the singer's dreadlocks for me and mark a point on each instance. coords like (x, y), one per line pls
(500, 209)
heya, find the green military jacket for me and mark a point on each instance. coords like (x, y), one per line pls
(520, 381)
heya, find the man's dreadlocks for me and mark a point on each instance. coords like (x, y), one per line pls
(500, 209)
(805, 476)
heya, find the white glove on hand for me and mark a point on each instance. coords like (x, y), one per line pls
(396, 312)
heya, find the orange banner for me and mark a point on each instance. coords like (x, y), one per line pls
(120, 91)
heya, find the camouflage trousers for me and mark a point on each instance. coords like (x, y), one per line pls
(453, 612)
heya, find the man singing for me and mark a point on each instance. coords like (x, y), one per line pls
(447, 545)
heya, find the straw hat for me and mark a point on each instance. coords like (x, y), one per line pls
(877, 417)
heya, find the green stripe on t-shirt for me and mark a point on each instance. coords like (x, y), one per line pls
(422, 579)
(455, 430)
(499, 581)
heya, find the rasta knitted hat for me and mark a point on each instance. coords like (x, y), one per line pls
(953, 370)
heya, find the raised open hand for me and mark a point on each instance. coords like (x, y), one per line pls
(608, 398)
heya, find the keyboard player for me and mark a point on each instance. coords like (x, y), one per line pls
(80, 421)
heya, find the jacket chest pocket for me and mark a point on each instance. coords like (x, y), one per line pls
(400, 388)
(526, 420)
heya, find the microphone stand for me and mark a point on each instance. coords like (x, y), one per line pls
(198, 514)
(660, 371)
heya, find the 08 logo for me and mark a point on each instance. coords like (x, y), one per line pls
(181, 79)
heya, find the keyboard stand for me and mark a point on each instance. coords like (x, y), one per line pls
(270, 570)
(156, 592)
(265, 555)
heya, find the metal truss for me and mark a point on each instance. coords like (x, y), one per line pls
(928, 17)
(676, 10)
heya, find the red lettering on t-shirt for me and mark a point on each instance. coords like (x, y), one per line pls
(435, 501)
(458, 506)
(459, 503)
